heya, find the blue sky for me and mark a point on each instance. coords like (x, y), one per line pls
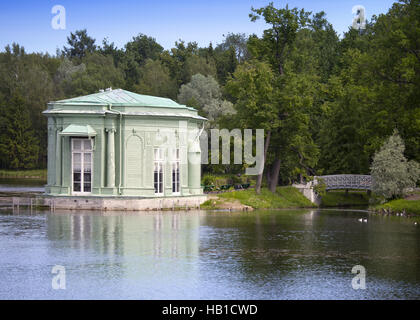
(29, 22)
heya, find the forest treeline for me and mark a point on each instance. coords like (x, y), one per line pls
(326, 103)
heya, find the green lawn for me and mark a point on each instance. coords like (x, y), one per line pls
(285, 197)
(32, 174)
(410, 206)
(341, 199)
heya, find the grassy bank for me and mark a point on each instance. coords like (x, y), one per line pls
(343, 199)
(285, 197)
(24, 174)
(400, 205)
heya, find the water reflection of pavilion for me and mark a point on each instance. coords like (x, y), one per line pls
(138, 243)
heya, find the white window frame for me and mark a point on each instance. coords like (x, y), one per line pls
(176, 165)
(159, 162)
(82, 164)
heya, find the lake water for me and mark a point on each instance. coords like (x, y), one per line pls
(288, 254)
(13, 185)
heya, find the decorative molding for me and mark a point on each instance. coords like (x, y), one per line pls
(148, 139)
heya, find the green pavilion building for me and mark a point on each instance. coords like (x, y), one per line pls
(117, 143)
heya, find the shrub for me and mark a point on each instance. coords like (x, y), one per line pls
(390, 170)
(320, 188)
(209, 180)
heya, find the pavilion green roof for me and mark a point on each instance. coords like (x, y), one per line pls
(120, 97)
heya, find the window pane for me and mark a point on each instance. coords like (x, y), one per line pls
(86, 177)
(87, 157)
(173, 181)
(77, 157)
(76, 177)
(86, 187)
(77, 144)
(76, 186)
(158, 154)
(87, 144)
(160, 178)
(87, 162)
(155, 179)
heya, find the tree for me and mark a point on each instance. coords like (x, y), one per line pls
(176, 59)
(285, 23)
(198, 65)
(252, 88)
(204, 93)
(99, 73)
(143, 47)
(156, 81)
(80, 44)
(276, 47)
(390, 170)
(19, 147)
(237, 42)
(226, 63)
(374, 90)
(29, 76)
(324, 46)
(111, 49)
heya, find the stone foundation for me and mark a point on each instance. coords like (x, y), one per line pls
(121, 203)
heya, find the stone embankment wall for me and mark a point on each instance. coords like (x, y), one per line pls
(308, 191)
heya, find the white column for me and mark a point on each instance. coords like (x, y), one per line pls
(110, 170)
(58, 159)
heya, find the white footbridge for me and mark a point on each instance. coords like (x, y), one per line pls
(347, 181)
(335, 182)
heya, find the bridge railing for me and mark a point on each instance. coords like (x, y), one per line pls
(347, 181)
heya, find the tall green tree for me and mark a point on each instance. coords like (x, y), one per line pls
(19, 146)
(239, 43)
(79, 44)
(29, 76)
(276, 46)
(284, 24)
(99, 73)
(252, 86)
(156, 81)
(143, 47)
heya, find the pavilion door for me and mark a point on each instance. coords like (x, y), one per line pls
(81, 166)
